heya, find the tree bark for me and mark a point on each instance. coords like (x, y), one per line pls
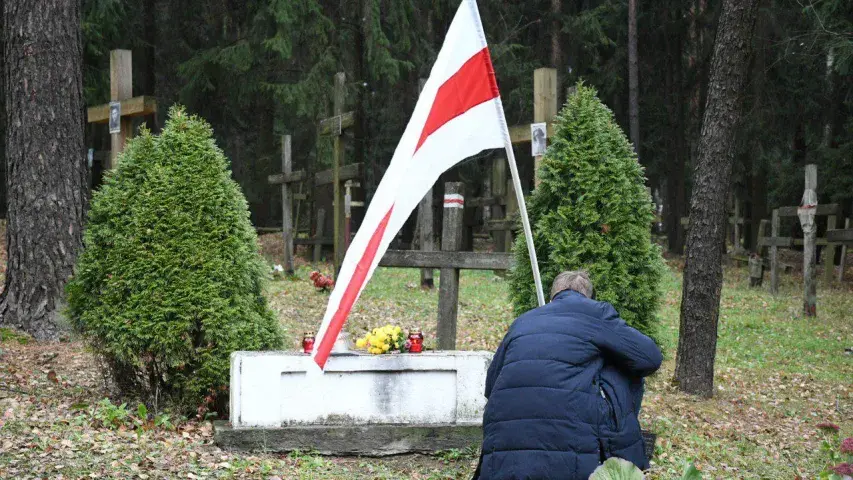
(556, 30)
(633, 77)
(703, 275)
(149, 56)
(46, 166)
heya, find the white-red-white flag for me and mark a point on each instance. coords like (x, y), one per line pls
(458, 114)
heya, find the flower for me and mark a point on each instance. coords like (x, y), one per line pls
(361, 343)
(843, 469)
(828, 427)
(847, 446)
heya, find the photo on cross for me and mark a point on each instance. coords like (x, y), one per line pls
(538, 136)
(115, 117)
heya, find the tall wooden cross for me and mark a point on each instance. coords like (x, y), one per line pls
(807, 213)
(503, 202)
(545, 109)
(121, 92)
(335, 127)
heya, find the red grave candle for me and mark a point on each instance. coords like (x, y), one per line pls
(417, 340)
(308, 342)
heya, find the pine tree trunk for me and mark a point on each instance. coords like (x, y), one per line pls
(703, 274)
(45, 161)
(149, 56)
(556, 31)
(633, 76)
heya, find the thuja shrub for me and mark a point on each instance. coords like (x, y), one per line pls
(170, 281)
(592, 211)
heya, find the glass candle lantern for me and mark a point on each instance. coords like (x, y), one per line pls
(416, 338)
(308, 342)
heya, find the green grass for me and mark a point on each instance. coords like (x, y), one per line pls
(778, 375)
(9, 335)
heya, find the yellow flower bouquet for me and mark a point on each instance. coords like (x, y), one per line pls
(385, 339)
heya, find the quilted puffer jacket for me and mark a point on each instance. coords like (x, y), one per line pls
(563, 392)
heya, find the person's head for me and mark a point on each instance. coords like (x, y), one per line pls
(577, 281)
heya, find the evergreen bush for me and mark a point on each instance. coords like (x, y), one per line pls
(170, 281)
(592, 211)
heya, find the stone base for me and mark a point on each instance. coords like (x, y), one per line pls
(361, 440)
(364, 440)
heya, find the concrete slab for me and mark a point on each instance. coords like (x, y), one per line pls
(278, 389)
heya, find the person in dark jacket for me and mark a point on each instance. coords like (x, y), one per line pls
(564, 389)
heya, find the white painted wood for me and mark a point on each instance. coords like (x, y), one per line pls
(276, 389)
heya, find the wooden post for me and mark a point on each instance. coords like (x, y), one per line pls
(121, 88)
(809, 237)
(736, 245)
(451, 241)
(756, 270)
(499, 190)
(544, 103)
(843, 255)
(318, 235)
(762, 232)
(426, 217)
(774, 254)
(829, 251)
(287, 232)
(339, 99)
(511, 213)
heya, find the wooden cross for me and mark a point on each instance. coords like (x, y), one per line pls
(335, 127)
(503, 202)
(807, 220)
(450, 260)
(287, 228)
(121, 91)
(545, 109)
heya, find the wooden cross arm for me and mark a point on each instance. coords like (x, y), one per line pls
(827, 209)
(521, 133)
(784, 242)
(281, 178)
(461, 260)
(348, 172)
(347, 121)
(844, 236)
(485, 201)
(132, 107)
(501, 225)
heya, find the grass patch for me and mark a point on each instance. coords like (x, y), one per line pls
(9, 335)
(778, 375)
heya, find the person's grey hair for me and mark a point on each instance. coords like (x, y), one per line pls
(577, 281)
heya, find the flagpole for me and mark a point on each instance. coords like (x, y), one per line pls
(522, 206)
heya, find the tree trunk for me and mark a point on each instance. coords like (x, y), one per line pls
(556, 31)
(149, 56)
(633, 74)
(703, 274)
(45, 161)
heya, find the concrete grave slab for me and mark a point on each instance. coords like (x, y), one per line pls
(362, 405)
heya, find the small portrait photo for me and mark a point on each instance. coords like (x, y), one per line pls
(115, 117)
(538, 138)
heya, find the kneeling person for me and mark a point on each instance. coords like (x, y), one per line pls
(564, 389)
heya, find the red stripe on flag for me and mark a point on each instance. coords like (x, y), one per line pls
(351, 293)
(453, 201)
(472, 85)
